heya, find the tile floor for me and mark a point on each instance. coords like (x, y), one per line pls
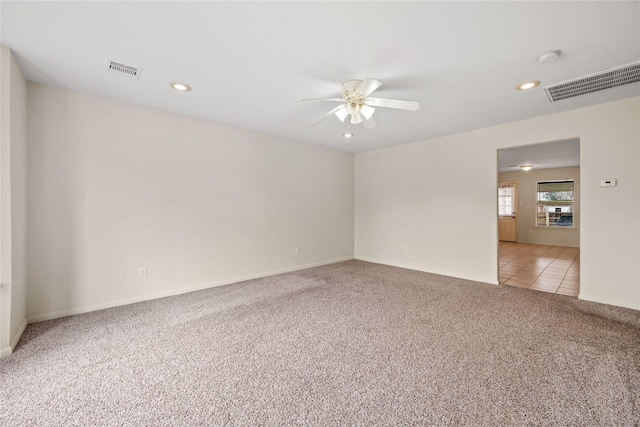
(554, 269)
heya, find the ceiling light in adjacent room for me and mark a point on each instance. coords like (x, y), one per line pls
(182, 87)
(526, 168)
(528, 85)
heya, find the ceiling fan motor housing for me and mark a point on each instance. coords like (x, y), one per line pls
(349, 87)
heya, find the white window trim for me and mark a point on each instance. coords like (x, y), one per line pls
(573, 204)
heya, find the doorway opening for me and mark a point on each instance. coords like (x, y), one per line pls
(507, 211)
(538, 216)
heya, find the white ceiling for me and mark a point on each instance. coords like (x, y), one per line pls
(556, 154)
(249, 61)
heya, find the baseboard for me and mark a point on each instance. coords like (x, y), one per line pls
(179, 291)
(545, 244)
(616, 303)
(415, 268)
(16, 338)
(5, 352)
(14, 341)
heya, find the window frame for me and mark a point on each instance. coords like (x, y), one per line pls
(514, 196)
(561, 203)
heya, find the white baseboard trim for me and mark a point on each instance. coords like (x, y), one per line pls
(533, 242)
(5, 352)
(635, 305)
(410, 267)
(86, 309)
(16, 338)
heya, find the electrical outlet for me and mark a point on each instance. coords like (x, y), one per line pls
(142, 272)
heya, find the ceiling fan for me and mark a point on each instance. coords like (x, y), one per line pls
(359, 105)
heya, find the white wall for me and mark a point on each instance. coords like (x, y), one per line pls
(13, 288)
(527, 207)
(114, 187)
(438, 199)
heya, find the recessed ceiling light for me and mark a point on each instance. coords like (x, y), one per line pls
(182, 87)
(347, 135)
(528, 85)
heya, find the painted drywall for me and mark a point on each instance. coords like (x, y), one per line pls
(431, 205)
(526, 183)
(115, 187)
(13, 287)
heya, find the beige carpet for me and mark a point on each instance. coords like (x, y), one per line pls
(352, 343)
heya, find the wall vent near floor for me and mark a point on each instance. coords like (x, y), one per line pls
(619, 76)
(123, 70)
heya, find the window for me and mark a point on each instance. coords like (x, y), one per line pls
(555, 204)
(506, 199)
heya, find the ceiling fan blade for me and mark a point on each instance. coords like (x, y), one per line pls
(342, 113)
(369, 123)
(367, 87)
(321, 99)
(327, 114)
(392, 103)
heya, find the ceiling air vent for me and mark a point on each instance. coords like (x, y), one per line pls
(123, 70)
(608, 79)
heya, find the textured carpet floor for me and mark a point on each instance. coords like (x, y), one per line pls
(352, 343)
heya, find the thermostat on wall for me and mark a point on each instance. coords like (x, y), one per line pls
(608, 183)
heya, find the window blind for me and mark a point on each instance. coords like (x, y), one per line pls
(555, 186)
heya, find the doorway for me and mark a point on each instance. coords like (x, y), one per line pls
(507, 211)
(538, 207)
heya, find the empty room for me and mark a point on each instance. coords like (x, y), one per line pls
(319, 213)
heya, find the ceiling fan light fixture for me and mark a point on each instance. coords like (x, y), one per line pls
(359, 105)
(353, 107)
(342, 114)
(526, 168)
(367, 111)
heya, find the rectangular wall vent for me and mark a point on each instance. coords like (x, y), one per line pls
(608, 79)
(123, 70)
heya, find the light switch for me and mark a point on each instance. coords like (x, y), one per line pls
(608, 183)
